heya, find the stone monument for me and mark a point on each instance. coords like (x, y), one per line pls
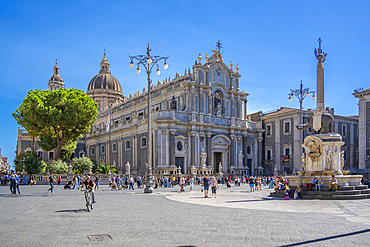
(322, 154)
(203, 156)
(128, 172)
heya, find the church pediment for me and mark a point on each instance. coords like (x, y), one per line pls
(221, 140)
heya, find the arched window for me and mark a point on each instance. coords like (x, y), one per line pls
(102, 149)
(128, 145)
(92, 151)
(114, 147)
(143, 142)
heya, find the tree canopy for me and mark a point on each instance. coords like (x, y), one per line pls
(59, 117)
(58, 167)
(29, 162)
(82, 164)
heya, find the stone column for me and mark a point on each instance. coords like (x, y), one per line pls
(172, 147)
(119, 156)
(209, 146)
(134, 150)
(209, 103)
(107, 154)
(232, 151)
(245, 144)
(259, 162)
(192, 153)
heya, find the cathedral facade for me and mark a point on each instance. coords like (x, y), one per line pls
(199, 123)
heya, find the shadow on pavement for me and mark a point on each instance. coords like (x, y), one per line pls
(327, 238)
(71, 211)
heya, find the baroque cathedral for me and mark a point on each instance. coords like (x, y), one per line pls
(199, 123)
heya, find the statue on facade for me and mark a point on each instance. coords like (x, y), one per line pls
(342, 159)
(240, 158)
(328, 157)
(173, 103)
(203, 156)
(218, 110)
(128, 167)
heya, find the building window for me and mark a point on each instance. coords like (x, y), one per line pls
(248, 150)
(140, 114)
(116, 122)
(268, 155)
(287, 153)
(128, 145)
(143, 142)
(179, 145)
(268, 130)
(287, 127)
(39, 153)
(82, 154)
(92, 151)
(102, 149)
(344, 130)
(127, 118)
(51, 155)
(114, 147)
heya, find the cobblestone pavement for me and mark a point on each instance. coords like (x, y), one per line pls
(171, 218)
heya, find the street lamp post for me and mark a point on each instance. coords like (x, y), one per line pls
(148, 62)
(301, 94)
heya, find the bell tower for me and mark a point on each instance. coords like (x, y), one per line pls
(55, 81)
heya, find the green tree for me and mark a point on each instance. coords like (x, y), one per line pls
(104, 169)
(57, 116)
(58, 167)
(49, 142)
(29, 162)
(82, 164)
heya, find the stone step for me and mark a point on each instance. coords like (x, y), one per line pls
(335, 197)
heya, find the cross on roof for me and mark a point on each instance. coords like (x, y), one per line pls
(218, 45)
(56, 61)
(104, 50)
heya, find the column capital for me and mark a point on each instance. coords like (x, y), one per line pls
(119, 138)
(232, 137)
(245, 138)
(193, 133)
(208, 134)
(172, 131)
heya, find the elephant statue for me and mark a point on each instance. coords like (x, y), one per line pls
(327, 123)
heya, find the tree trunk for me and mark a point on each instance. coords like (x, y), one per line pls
(60, 144)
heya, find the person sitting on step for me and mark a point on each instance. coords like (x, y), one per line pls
(313, 182)
(333, 182)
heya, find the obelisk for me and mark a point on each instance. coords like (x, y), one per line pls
(320, 55)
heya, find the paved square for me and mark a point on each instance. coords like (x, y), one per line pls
(171, 218)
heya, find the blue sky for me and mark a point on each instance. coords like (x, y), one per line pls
(272, 41)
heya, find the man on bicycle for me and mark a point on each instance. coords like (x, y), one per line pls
(90, 185)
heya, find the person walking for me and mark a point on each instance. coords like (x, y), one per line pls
(214, 186)
(59, 181)
(17, 180)
(131, 180)
(182, 183)
(191, 182)
(205, 184)
(96, 181)
(251, 183)
(13, 184)
(51, 183)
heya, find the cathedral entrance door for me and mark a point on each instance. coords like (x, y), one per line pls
(217, 159)
(179, 161)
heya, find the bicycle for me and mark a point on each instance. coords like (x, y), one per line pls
(88, 196)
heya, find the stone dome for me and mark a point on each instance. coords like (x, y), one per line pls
(104, 81)
(104, 88)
